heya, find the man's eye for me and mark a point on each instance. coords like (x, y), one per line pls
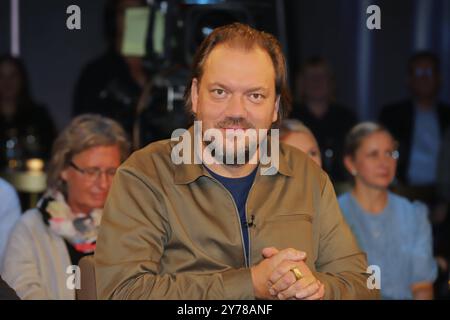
(256, 97)
(219, 93)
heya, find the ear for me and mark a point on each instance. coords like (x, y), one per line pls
(275, 110)
(349, 164)
(194, 95)
(64, 174)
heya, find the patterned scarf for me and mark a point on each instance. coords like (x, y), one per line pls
(79, 229)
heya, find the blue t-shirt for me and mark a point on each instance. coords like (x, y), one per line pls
(239, 189)
(397, 240)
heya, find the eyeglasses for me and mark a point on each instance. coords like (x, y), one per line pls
(94, 173)
(389, 154)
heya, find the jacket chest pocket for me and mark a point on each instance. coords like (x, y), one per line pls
(290, 230)
(300, 216)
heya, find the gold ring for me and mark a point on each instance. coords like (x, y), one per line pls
(297, 273)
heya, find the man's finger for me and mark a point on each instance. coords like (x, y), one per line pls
(282, 277)
(269, 252)
(309, 291)
(299, 285)
(319, 295)
(287, 254)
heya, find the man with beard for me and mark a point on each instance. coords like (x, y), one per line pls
(214, 230)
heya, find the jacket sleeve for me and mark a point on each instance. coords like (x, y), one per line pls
(20, 268)
(341, 265)
(133, 235)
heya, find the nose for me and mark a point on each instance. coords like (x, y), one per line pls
(236, 107)
(385, 162)
(103, 181)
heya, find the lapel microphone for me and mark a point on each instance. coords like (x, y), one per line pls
(251, 223)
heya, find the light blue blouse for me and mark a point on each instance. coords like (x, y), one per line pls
(398, 240)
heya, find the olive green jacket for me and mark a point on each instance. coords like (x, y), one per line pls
(173, 231)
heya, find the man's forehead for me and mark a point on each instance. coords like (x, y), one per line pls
(254, 65)
(222, 51)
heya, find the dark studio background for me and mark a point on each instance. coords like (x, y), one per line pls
(369, 64)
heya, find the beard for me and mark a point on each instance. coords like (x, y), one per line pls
(236, 148)
(230, 154)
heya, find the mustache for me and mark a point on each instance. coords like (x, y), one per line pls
(235, 122)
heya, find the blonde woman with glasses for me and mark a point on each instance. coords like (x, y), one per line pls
(394, 232)
(51, 238)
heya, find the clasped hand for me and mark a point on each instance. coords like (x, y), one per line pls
(273, 277)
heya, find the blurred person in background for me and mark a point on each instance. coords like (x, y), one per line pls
(418, 124)
(318, 110)
(296, 134)
(63, 228)
(442, 230)
(112, 84)
(394, 232)
(26, 128)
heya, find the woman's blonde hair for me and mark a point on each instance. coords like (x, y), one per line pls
(84, 132)
(294, 125)
(359, 132)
